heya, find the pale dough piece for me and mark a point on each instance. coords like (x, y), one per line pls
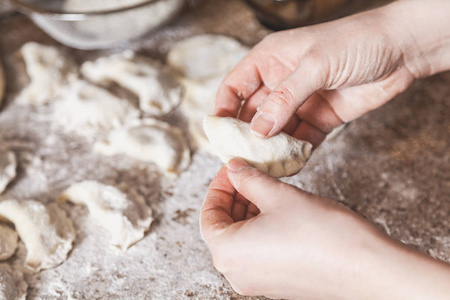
(205, 56)
(279, 156)
(8, 165)
(158, 91)
(12, 284)
(87, 108)
(2, 84)
(45, 230)
(149, 140)
(49, 73)
(125, 216)
(8, 242)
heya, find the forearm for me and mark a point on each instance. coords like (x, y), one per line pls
(422, 31)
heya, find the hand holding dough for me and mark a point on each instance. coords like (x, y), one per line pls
(279, 156)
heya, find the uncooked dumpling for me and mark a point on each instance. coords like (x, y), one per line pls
(49, 72)
(125, 216)
(279, 156)
(8, 242)
(8, 165)
(87, 109)
(45, 230)
(200, 64)
(149, 140)
(12, 285)
(207, 56)
(157, 90)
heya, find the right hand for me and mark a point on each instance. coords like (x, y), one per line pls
(310, 80)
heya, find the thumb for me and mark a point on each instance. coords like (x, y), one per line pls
(259, 188)
(283, 102)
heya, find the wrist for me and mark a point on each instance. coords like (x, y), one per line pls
(421, 30)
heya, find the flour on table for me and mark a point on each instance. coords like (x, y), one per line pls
(2, 84)
(200, 64)
(45, 230)
(149, 140)
(49, 73)
(157, 90)
(8, 165)
(278, 156)
(12, 284)
(125, 215)
(86, 108)
(8, 242)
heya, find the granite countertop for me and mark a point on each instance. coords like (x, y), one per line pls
(391, 166)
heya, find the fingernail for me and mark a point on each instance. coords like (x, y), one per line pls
(236, 165)
(263, 123)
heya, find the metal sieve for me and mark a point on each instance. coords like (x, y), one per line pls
(98, 29)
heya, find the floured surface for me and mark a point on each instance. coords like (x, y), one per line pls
(12, 284)
(391, 166)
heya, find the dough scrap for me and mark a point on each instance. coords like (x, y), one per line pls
(8, 165)
(205, 56)
(149, 140)
(87, 108)
(2, 84)
(125, 216)
(8, 242)
(158, 91)
(201, 63)
(12, 284)
(49, 73)
(45, 230)
(278, 156)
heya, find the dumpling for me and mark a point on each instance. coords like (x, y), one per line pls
(205, 56)
(278, 156)
(87, 109)
(49, 72)
(157, 90)
(45, 230)
(200, 64)
(12, 284)
(8, 165)
(149, 140)
(8, 242)
(126, 217)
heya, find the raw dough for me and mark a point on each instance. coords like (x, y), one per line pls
(8, 165)
(200, 64)
(87, 109)
(205, 56)
(2, 84)
(45, 230)
(157, 90)
(279, 156)
(125, 216)
(12, 285)
(49, 72)
(149, 140)
(8, 242)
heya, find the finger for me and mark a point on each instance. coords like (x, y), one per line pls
(250, 106)
(239, 85)
(307, 132)
(286, 98)
(216, 210)
(259, 188)
(239, 208)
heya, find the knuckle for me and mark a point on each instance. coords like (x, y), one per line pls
(283, 97)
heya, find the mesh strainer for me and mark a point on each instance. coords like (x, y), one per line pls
(102, 28)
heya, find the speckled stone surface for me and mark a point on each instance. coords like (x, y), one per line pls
(392, 166)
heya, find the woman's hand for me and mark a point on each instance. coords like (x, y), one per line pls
(270, 238)
(310, 80)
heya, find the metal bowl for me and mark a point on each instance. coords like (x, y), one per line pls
(98, 29)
